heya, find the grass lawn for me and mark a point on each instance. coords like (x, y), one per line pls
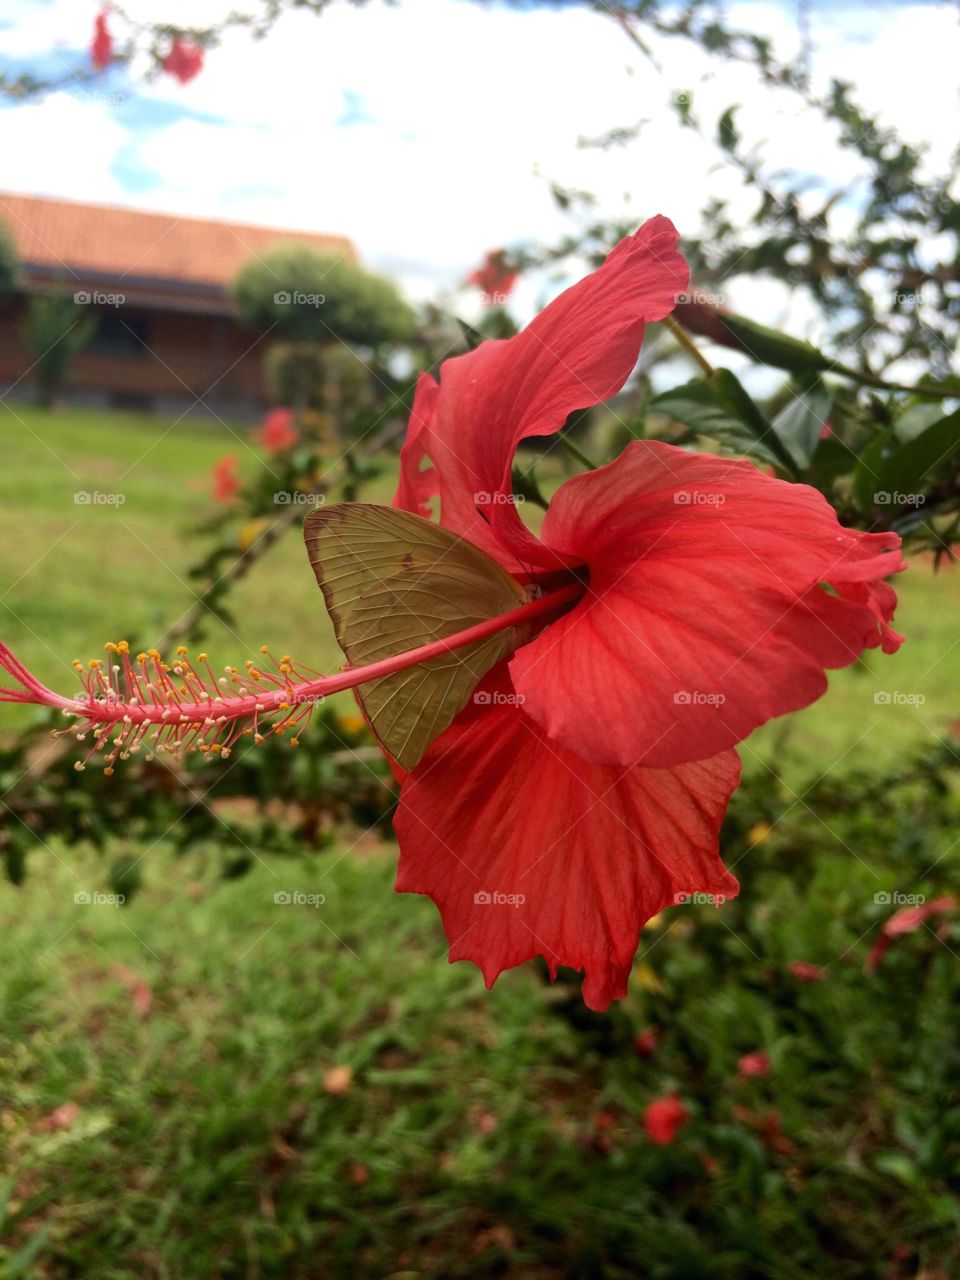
(206, 1082)
(74, 576)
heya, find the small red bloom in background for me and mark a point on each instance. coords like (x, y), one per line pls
(101, 47)
(226, 482)
(645, 1042)
(908, 920)
(803, 971)
(769, 1126)
(495, 277)
(184, 61)
(279, 430)
(754, 1064)
(664, 1118)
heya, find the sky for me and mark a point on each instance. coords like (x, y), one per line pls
(430, 130)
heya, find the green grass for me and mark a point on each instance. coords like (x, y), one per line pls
(483, 1134)
(76, 576)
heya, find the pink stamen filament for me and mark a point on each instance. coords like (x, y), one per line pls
(189, 714)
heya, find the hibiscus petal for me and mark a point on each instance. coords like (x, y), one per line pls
(577, 352)
(706, 614)
(417, 485)
(528, 850)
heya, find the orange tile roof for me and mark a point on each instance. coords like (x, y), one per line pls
(82, 239)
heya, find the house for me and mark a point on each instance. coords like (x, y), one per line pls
(167, 339)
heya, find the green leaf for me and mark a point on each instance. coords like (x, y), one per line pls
(915, 420)
(905, 472)
(391, 582)
(866, 477)
(800, 423)
(719, 407)
(769, 346)
(727, 134)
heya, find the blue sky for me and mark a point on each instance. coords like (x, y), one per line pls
(429, 131)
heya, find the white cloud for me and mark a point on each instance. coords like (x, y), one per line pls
(463, 107)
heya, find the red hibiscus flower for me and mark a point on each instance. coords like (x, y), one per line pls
(753, 1065)
(907, 920)
(101, 47)
(803, 971)
(645, 1042)
(672, 603)
(226, 482)
(590, 775)
(495, 277)
(279, 431)
(664, 1118)
(184, 61)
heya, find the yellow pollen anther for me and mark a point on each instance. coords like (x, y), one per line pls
(108, 771)
(182, 649)
(123, 646)
(264, 648)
